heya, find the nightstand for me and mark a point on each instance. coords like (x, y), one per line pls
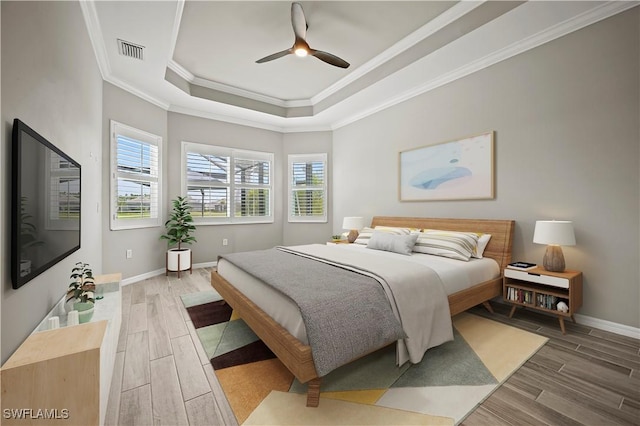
(541, 290)
(338, 242)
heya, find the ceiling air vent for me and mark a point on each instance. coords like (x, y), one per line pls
(131, 50)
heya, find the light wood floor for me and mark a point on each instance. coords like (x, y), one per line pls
(162, 376)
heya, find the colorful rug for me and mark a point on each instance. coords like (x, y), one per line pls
(443, 389)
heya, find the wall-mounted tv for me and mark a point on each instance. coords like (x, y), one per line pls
(45, 204)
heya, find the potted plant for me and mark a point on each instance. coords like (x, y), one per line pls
(179, 228)
(81, 291)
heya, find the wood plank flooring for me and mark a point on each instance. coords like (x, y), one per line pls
(161, 374)
(163, 377)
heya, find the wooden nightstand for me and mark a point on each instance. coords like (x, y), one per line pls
(542, 290)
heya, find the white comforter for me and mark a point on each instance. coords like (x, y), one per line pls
(455, 275)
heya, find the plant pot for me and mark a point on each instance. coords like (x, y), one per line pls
(85, 311)
(178, 259)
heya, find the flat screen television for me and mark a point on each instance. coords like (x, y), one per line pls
(45, 204)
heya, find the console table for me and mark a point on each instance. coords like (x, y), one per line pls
(63, 376)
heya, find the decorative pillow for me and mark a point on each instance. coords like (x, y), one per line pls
(394, 230)
(455, 245)
(364, 236)
(402, 244)
(483, 240)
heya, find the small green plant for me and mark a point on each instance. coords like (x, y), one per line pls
(82, 287)
(336, 237)
(180, 224)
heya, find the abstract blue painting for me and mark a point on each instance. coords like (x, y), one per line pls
(461, 169)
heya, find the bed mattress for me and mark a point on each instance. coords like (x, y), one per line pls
(455, 275)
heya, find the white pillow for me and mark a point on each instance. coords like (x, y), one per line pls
(401, 244)
(483, 240)
(455, 245)
(364, 236)
(393, 230)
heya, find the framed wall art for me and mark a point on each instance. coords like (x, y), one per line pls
(461, 169)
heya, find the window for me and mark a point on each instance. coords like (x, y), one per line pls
(308, 188)
(135, 177)
(226, 185)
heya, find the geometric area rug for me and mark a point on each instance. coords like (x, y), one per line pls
(450, 381)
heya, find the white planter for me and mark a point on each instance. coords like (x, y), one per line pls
(178, 260)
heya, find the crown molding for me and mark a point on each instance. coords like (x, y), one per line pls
(568, 26)
(327, 121)
(439, 22)
(90, 15)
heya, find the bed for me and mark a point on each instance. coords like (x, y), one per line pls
(293, 351)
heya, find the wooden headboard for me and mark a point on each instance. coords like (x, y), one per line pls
(500, 244)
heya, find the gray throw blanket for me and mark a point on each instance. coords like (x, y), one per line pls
(346, 314)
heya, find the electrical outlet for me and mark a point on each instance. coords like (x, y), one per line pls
(225, 242)
(129, 253)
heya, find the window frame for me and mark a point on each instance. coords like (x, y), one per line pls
(120, 129)
(233, 154)
(307, 158)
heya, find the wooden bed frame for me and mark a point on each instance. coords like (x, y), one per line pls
(297, 356)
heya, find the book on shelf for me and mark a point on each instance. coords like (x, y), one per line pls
(522, 266)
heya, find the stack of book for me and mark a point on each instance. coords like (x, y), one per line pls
(522, 266)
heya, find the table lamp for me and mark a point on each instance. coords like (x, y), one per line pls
(554, 233)
(353, 224)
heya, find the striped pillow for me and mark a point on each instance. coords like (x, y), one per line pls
(455, 245)
(365, 234)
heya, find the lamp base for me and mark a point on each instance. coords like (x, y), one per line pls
(353, 234)
(553, 259)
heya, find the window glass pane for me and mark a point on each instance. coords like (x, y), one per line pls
(135, 199)
(136, 157)
(308, 202)
(251, 202)
(208, 202)
(207, 168)
(307, 174)
(251, 172)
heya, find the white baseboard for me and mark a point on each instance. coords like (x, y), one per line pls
(613, 327)
(157, 272)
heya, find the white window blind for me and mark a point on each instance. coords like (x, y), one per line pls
(225, 185)
(307, 188)
(135, 177)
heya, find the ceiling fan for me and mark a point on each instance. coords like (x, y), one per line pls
(300, 46)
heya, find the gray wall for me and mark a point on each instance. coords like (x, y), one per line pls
(567, 123)
(241, 237)
(306, 143)
(51, 81)
(148, 251)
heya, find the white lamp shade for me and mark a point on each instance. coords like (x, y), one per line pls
(353, 222)
(559, 232)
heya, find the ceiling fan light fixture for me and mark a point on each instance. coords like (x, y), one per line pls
(301, 52)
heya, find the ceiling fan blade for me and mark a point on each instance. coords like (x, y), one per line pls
(274, 56)
(298, 21)
(329, 58)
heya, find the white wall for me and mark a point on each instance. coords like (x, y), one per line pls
(306, 143)
(148, 251)
(566, 117)
(51, 81)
